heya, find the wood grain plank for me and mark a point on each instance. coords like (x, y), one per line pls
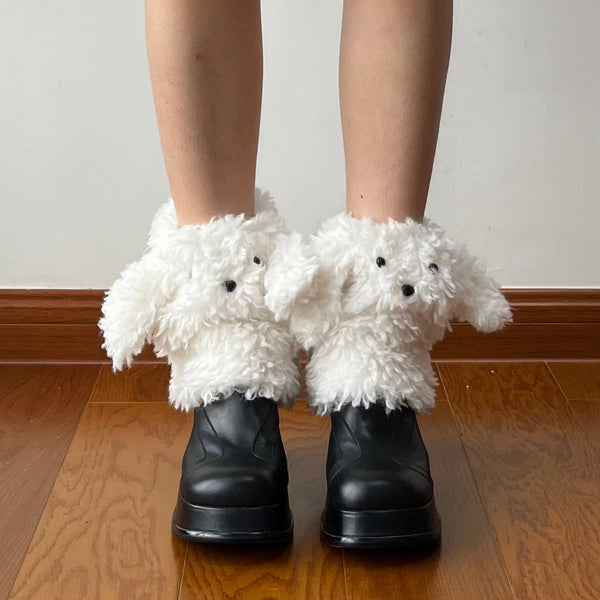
(578, 381)
(105, 532)
(307, 568)
(467, 565)
(537, 475)
(588, 417)
(140, 383)
(40, 407)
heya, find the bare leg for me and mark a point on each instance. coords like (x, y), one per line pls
(393, 62)
(206, 69)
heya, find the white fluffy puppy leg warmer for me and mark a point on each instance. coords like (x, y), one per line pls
(383, 295)
(215, 299)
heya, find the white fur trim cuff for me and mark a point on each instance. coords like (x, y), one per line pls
(198, 294)
(385, 293)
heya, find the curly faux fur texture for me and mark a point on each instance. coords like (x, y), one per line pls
(213, 298)
(384, 293)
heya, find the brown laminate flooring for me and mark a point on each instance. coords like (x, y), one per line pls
(90, 465)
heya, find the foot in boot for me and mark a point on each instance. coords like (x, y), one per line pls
(379, 488)
(234, 475)
(215, 299)
(383, 294)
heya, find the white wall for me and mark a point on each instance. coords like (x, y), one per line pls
(516, 175)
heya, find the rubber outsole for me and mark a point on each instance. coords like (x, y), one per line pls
(418, 527)
(271, 524)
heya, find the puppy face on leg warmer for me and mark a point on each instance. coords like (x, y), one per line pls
(199, 294)
(384, 293)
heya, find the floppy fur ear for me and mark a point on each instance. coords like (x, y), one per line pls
(290, 273)
(321, 304)
(478, 297)
(131, 307)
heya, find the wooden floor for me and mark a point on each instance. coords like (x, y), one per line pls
(90, 467)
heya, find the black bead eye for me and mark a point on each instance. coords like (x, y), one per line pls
(256, 260)
(433, 268)
(380, 261)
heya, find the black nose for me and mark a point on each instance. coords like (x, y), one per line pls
(408, 290)
(230, 285)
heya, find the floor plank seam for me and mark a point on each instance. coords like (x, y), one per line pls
(93, 388)
(573, 412)
(87, 402)
(345, 577)
(557, 383)
(165, 401)
(58, 471)
(183, 563)
(478, 491)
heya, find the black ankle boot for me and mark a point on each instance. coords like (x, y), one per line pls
(234, 475)
(379, 489)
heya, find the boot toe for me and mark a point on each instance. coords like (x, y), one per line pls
(233, 487)
(370, 488)
(230, 486)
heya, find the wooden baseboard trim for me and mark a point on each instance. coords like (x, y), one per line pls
(557, 324)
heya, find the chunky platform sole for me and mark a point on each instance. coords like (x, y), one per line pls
(398, 528)
(248, 525)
